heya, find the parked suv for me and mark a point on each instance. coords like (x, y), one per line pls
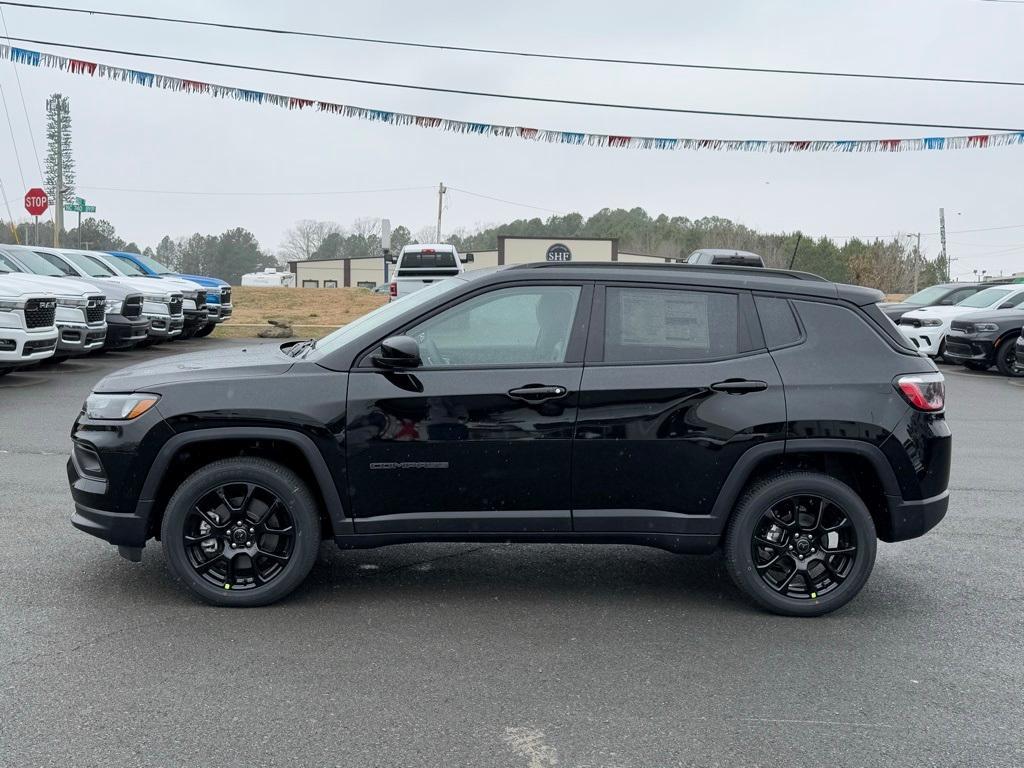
(218, 292)
(81, 310)
(942, 295)
(682, 407)
(927, 328)
(983, 339)
(27, 330)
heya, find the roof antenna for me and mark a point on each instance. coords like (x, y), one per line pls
(792, 260)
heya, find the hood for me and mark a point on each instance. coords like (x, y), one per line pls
(167, 284)
(1007, 318)
(941, 312)
(142, 285)
(11, 287)
(58, 286)
(239, 363)
(206, 282)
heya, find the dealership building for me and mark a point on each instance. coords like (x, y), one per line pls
(371, 272)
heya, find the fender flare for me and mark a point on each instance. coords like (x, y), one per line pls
(744, 467)
(341, 522)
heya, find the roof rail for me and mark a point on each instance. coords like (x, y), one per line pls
(752, 271)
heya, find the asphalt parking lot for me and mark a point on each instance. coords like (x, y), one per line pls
(507, 655)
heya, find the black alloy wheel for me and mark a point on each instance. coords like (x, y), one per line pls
(800, 543)
(243, 531)
(239, 536)
(1006, 358)
(804, 546)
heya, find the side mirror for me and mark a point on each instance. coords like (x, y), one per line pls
(467, 258)
(946, 303)
(1008, 305)
(398, 352)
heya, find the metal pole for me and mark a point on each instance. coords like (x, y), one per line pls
(440, 199)
(917, 261)
(79, 228)
(942, 236)
(36, 238)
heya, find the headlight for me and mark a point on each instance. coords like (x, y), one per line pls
(70, 301)
(10, 306)
(113, 307)
(931, 322)
(155, 299)
(189, 294)
(985, 327)
(113, 407)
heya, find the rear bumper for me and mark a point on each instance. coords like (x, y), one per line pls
(124, 332)
(910, 519)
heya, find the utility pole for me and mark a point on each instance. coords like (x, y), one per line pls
(917, 258)
(441, 189)
(942, 237)
(58, 224)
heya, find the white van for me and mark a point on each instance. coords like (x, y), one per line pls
(420, 264)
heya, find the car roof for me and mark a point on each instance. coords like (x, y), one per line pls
(700, 275)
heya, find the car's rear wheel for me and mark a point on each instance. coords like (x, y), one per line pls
(241, 532)
(1006, 356)
(800, 543)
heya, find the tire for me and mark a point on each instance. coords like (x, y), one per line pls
(1006, 356)
(940, 356)
(205, 331)
(246, 587)
(975, 365)
(782, 491)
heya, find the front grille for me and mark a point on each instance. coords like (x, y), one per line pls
(963, 327)
(132, 307)
(225, 295)
(200, 299)
(39, 313)
(38, 345)
(174, 307)
(96, 310)
(958, 347)
(909, 321)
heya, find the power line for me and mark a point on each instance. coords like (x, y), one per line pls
(517, 97)
(14, 143)
(507, 52)
(502, 200)
(253, 193)
(24, 106)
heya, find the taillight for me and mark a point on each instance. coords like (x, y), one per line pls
(393, 290)
(925, 391)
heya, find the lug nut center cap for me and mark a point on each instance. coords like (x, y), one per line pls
(803, 546)
(239, 535)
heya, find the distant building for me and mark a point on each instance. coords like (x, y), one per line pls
(370, 272)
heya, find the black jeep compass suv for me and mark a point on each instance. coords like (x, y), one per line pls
(772, 414)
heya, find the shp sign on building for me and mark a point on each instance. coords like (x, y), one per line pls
(369, 272)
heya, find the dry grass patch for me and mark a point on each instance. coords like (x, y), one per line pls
(313, 312)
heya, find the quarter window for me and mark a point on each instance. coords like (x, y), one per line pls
(648, 325)
(511, 326)
(777, 321)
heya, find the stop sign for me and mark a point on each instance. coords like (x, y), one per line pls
(36, 201)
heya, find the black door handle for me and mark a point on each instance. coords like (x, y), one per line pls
(739, 386)
(537, 393)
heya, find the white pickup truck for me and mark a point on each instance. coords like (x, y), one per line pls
(420, 264)
(28, 332)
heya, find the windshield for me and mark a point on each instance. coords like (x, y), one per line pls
(927, 297)
(383, 314)
(92, 267)
(153, 264)
(8, 265)
(985, 298)
(127, 266)
(37, 265)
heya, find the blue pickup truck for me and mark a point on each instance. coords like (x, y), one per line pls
(218, 294)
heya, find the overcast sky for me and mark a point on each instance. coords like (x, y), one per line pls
(129, 137)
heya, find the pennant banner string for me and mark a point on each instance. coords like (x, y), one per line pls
(32, 58)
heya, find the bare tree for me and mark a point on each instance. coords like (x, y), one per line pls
(302, 240)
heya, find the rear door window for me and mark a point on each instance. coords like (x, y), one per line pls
(651, 325)
(777, 321)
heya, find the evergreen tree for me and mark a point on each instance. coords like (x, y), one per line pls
(58, 152)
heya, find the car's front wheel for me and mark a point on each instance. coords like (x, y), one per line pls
(241, 532)
(800, 543)
(205, 331)
(1006, 356)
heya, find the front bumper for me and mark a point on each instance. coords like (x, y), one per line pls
(925, 339)
(165, 326)
(195, 318)
(28, 346)
(125, 332)
(964, 349)
(218, 313)
(80, 338)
